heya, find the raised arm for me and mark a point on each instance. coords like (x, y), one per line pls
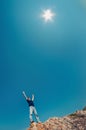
(32, 97)
(24, 94)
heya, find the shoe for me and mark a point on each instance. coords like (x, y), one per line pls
(39, 122)
(32, 122)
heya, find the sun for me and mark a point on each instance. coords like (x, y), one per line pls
(47, 15)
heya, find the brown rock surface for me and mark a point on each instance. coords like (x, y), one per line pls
(75, 121)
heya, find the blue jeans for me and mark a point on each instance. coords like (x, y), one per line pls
(33, 110)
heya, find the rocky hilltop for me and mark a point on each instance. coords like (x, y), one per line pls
(74, 121)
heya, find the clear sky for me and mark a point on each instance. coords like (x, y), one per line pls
(47, 59)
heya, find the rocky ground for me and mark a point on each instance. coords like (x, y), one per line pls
(75, 121)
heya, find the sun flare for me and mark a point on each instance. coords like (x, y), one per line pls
(47, 15)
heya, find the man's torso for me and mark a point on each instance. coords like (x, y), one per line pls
(30, 102)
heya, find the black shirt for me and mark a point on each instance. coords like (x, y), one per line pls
(30, 102)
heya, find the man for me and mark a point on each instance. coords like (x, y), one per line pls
(31, 107)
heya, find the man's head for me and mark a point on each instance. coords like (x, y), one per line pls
(28, 98)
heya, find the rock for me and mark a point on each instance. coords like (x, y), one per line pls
(75, 121)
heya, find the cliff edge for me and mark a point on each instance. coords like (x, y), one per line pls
(74, 121)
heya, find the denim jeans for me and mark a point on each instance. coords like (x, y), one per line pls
(33, 110)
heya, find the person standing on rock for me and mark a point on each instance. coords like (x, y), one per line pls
(32, 108)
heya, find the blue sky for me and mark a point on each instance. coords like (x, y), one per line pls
(47, 59)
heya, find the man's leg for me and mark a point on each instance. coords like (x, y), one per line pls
(31, 112)
(36, 115)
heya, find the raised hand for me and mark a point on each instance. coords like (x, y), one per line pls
(24, 94)
(32, 97)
